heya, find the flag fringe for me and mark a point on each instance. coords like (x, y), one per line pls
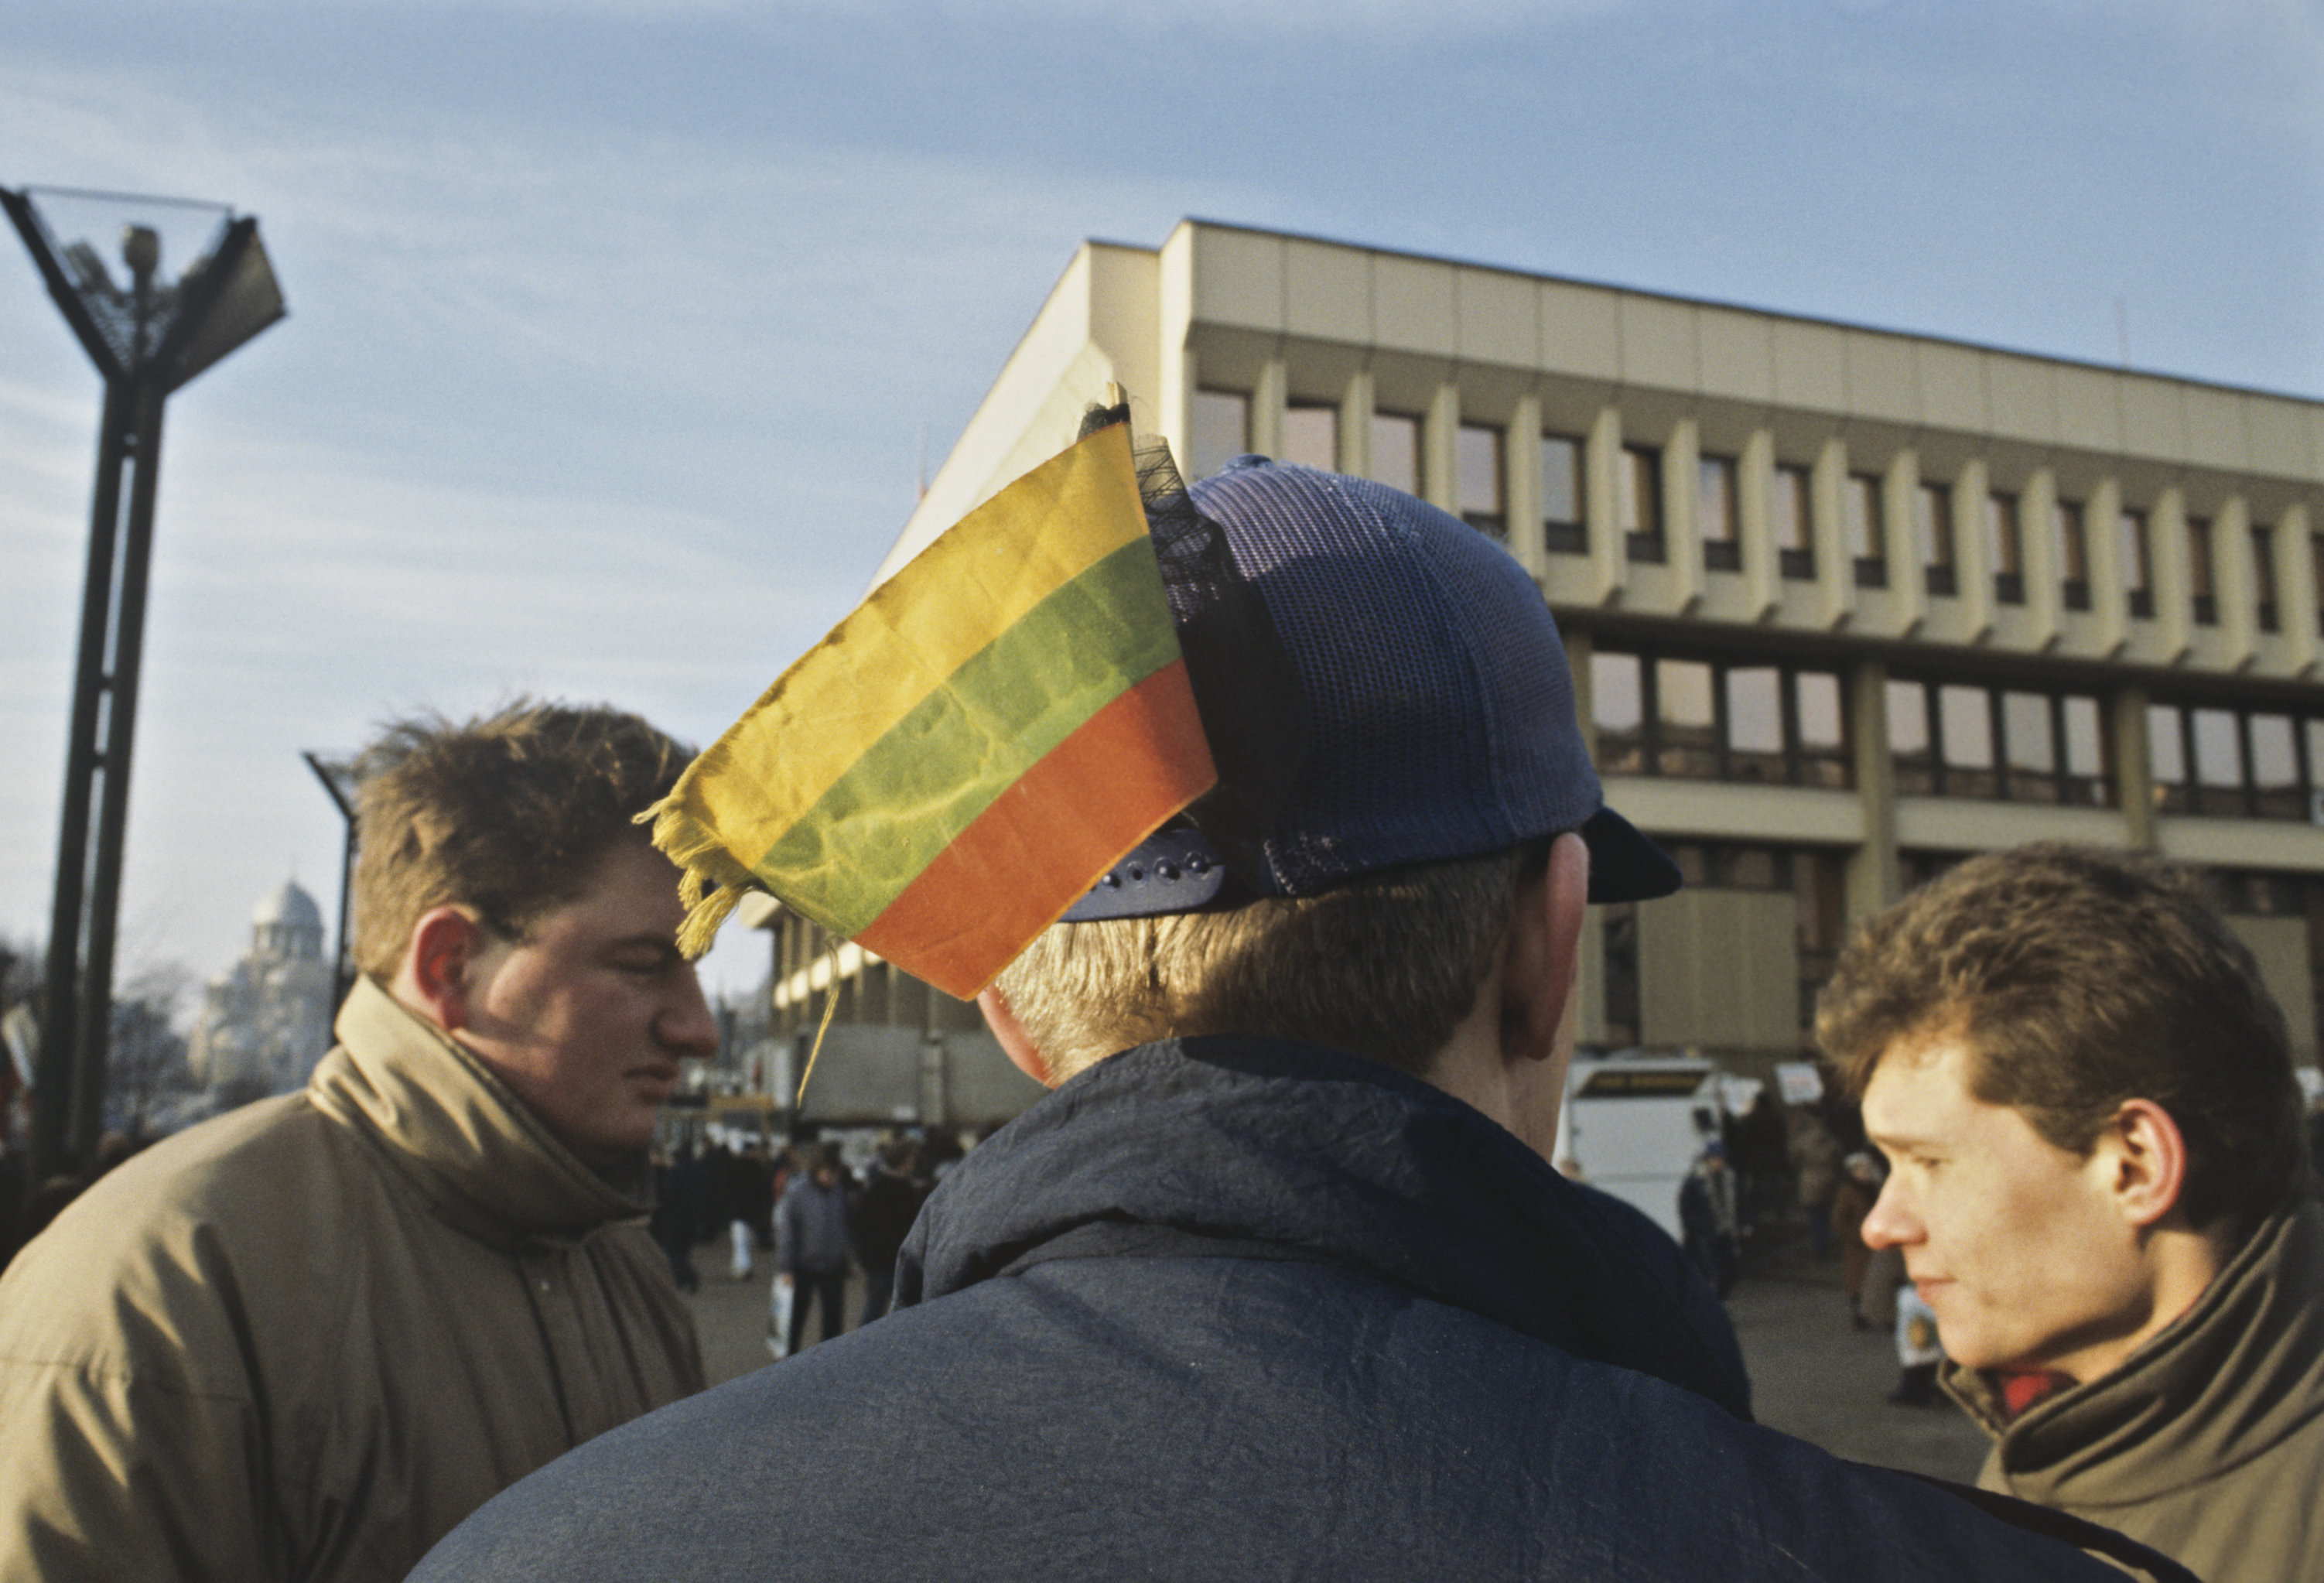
(711, 881)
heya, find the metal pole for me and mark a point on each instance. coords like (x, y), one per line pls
(93, 1041)
(52, 1078)
(342, 978)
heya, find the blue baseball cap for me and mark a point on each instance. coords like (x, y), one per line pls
(1381, 686)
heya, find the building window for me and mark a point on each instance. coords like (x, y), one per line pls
(1395, 451)
(1715, 508)
(1618, 707)
(1687, 721)
(2235, 763)
(1867, 537)
(1311, 435)
(2263, 556)
(1795, 532)
(1482, 482)
(2005, 549)
(2070, 544)
(1705, 719)
(2137, 563)
(1964, 739)
(1639, 486)
(2273, 752)
(1754, 724)
(2200, 583)
(1561, 495)
(1932, 529)
(1221, 430)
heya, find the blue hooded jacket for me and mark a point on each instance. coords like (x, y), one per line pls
(1237, 1308)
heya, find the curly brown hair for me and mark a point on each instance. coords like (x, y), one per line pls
(2081, 979)
(506, 813)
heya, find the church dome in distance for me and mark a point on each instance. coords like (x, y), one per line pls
(290, 906)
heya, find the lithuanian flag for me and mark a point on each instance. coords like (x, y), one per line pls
(960, 758)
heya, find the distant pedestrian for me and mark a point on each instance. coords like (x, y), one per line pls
(812, 1245)
(1711, 1218)
(882, 1217)
(1815, 1166)
(1851, 1201)
(678, 1215)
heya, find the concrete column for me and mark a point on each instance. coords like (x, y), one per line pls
(2174, 607)
(1174, 406)
(1754, 531)
(2134, 770)
(1972, 567)
(1907, 582)
(1356, 426)
(2109, 600)
(2237, 588)
(1267, 408)
(2296, 592)
(1602, 453)
(1873, 877)
(1521, 487)
(2037, 554)
(1682, 524)
(1828, 513)
(1439, 430)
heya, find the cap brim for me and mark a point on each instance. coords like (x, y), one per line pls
(1624, 865)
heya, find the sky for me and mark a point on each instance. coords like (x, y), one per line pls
(615, 326)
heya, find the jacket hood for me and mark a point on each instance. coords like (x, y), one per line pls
(480, 1156)
(1292, 1151)
(2229, 1380)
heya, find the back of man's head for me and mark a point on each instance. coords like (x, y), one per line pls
(506, 813)
(2079, 978)
(1398, 746)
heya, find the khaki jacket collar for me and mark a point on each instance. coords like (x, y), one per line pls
(480, 1157)
(2227, 1381)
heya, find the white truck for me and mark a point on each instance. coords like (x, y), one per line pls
(1633, 1125)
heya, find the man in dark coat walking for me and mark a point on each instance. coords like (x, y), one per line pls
(1279, 1282)
(881, 1219)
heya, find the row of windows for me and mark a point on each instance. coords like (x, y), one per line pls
(1705, 719)
(1785, 724)
(1311, 434)
(1963, 739)
(2255, 763)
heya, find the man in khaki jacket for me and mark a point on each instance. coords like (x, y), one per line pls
(2100, 1187)
(306, 1338)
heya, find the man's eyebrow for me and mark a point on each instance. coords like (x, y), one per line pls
(666, 944)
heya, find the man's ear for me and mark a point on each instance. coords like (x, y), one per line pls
(1022, 1052)
(435, 977)
(2146, 1157)
(1544, 947)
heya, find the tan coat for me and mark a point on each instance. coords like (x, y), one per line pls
(306, 1339)
(2208, 1442)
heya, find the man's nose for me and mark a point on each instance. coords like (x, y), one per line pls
(686, 1024)
(1890, 1224)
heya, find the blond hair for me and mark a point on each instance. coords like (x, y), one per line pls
(1384, 966)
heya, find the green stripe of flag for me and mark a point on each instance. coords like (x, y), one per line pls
(930, 774)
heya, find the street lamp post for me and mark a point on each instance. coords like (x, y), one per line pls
(338, 779)
(146, 339)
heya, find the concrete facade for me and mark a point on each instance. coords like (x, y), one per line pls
(1843, 604)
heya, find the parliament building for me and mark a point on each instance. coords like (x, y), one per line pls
(1843, 605)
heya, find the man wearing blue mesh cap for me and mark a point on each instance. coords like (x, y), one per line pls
(1278, 1281)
